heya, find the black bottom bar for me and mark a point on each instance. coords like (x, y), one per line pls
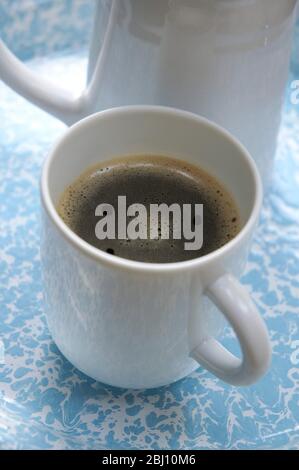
(135, 459)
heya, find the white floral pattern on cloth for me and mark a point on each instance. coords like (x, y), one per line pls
(39, 27)
(46, 403)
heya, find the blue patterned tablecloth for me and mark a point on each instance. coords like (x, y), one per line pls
(44, 401)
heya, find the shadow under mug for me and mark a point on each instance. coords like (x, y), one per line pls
(142, 325)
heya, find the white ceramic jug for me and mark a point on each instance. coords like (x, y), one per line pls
(224, 59)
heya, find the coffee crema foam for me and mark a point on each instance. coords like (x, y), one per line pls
(150, 179)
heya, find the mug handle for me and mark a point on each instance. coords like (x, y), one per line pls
(49, 97)
(234, 302)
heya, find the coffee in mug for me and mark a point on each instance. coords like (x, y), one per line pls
(101, 197)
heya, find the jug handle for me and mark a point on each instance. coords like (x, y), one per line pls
(49, 97)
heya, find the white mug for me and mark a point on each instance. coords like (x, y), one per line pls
(140, 325)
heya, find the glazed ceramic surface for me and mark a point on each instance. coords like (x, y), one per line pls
(144, 325)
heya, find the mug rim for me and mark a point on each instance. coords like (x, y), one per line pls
(141, 266)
